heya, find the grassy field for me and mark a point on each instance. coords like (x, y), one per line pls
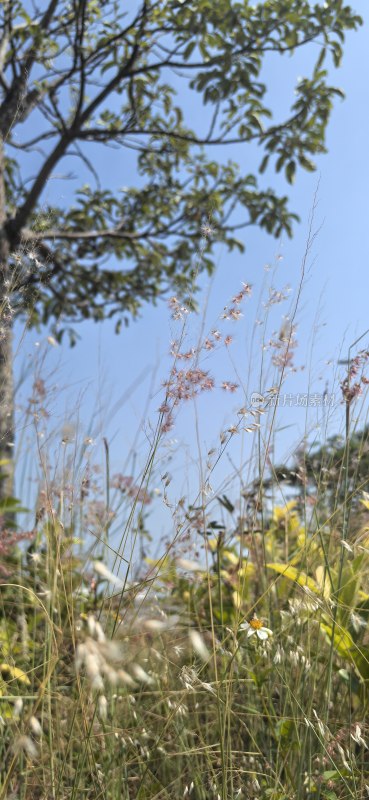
(234, 666)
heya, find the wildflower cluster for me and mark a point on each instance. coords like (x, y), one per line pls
(233, 312)
(126, 485)
(277, 296)
(178, 311)
(284, 346)
(352, 390)
(97, 514)
(185, 384)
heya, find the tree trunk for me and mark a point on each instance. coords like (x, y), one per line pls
(6, 351)
(6, 401)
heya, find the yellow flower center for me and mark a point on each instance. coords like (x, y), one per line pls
(256, 624)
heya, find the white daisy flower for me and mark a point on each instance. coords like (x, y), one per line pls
(256, 626)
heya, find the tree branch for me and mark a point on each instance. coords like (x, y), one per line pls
(12, 105)
(17, 223)
(72, 236)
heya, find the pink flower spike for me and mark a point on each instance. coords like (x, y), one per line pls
(235, 313)
(229, 387)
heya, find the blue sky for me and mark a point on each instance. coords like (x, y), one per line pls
(107, 385)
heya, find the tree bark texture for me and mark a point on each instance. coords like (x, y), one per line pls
(6, 351)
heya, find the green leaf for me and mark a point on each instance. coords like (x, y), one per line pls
(307, 164)
(284, 728)
(226, 503)
(264, 163)
(10, 505)
(189, 50)
(291, 171)
(321, 58)
(257, 120)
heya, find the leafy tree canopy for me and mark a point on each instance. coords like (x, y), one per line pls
(76, 74)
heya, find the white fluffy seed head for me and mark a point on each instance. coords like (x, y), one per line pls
(125, 678)
(91, 624)
(35, 727)
(188, 564)
(99, 633)
(25, 744)
(107, 574)
(80, 656)
(92, 665)
(141, 675)
(198, 645)
(18, 708)
(154, 625)
(97, 684)
(102, 707)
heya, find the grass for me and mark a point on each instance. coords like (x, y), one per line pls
(234, 665)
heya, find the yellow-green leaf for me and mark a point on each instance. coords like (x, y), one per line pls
(14, 673)
(294, 574)
(342, 640)
(231, 557)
